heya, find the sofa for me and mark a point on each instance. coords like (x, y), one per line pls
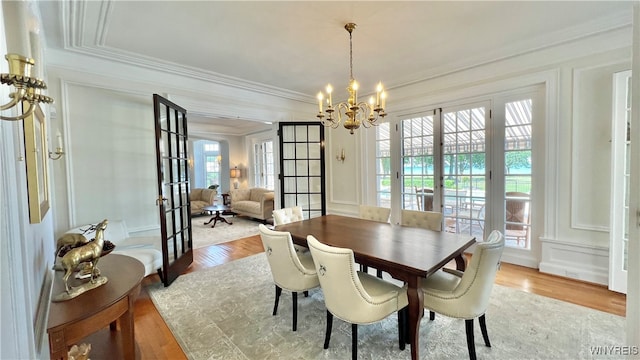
(254, 202)
(201, 198)
(146, 249)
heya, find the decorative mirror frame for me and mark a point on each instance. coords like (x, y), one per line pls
(35, 145)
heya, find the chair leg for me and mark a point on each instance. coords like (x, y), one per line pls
(306, 294)
(470, 341)
(294, 296)
(354, 341)
(402, 319)
(483, 327)
(432, 315)
(364, 268)
(379, 273)
(327, 334)
(275, 305)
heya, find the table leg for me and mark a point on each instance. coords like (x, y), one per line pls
(416, 311)
(210, 220)
(461, 264)
(128, 334)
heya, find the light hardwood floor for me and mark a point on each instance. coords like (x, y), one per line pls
(155, 341)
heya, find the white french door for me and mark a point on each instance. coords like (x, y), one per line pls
(480, 172)
(620, 182)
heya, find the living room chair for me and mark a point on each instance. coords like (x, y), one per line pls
(430, 220)
(517, 216)
(375, 213)
(291, 271)
(354, 296)
(465, 295)
(425, 198)
(286, 216)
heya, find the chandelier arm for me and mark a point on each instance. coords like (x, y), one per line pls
(16, 97)
(32, 107)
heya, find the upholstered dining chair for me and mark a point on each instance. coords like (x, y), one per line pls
(289, 215)
(425, 198)
(465, 295)
(424, 219)
(375, 213)
(354, 296)
(291, 270)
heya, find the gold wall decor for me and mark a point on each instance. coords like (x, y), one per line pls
(35, 145)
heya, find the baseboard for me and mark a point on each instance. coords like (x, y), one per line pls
(42, 315)
(583, 262)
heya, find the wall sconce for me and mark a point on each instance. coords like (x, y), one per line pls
(235, 174)
(27, 88)
(340, 156)
(55, 155)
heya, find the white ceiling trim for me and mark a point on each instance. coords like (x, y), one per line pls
(74, 26)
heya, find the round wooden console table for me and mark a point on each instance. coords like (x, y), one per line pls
(73, 321)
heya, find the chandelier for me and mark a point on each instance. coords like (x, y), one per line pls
(27, 88)
(352, 113)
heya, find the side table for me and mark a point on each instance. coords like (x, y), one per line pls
(217, 209)
(71, 321)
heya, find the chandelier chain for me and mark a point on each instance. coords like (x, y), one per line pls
(350, 56)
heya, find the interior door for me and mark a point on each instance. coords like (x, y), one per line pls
(173, 188)
(302, 175)
(620, 182)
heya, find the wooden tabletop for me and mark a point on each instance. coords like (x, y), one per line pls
(418, 251)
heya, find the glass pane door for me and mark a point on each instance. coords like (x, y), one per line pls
(464, 170)
(302, 167)
(418, 170)
(517, 163)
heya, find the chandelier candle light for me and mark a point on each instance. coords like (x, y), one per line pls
(354, 112)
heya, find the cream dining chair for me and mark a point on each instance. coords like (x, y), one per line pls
(375, 213)
(354, 296)
(430, 220)
(286, 216)
(465, 295)
(291, 270)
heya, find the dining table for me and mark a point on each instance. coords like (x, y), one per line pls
(408, 254)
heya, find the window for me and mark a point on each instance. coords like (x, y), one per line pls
(383, 165)
(264, 167)
(211, 160)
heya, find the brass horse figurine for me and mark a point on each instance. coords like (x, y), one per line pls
(89, 253)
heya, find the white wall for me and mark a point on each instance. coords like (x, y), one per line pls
(26, 250)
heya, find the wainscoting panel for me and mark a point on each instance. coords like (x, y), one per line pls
(576, 261)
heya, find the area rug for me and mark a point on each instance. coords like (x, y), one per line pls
(225, 313)
(205, 235)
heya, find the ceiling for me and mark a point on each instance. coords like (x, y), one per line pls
(299, 47)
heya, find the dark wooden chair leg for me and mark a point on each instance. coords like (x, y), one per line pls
(379, 274)
(294, 296)
(402, 319)
(306, 294)
(275, 305)
(483, 327)
(354, 341)
(470, 341)
(432, 315)
(327, 334)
